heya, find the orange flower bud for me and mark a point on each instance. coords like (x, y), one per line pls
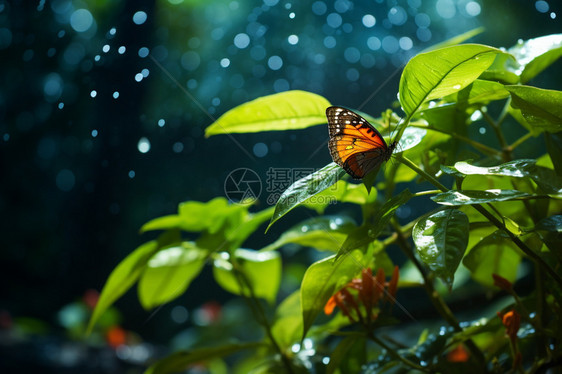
(330, 305)
(512, 321)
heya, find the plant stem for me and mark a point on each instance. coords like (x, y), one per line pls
(519, 141)
(397, 356)
(499, 134)
(434, 296)
(254, 304)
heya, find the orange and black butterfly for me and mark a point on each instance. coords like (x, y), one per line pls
(355, 144)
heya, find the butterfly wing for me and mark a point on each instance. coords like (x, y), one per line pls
(354, 143)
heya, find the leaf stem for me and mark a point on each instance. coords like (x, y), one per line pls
(496, 126)
(428, 192)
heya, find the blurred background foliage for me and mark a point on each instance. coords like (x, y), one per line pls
(103, 106)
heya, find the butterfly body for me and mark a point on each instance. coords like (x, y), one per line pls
(354, 143)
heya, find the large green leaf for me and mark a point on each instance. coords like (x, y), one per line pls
(305, 188)
(540, 107)
(288, 110)
(442, 72)
(168, 274)
(495, 254)
(466, 197)
(535, 55)
(179, 361)
(324, 233)
(262, 270)
(122, 278)
(321, 280)
(441, 240)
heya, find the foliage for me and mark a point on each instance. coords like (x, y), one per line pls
(493, 211)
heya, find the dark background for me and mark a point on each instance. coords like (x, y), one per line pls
(74, 187)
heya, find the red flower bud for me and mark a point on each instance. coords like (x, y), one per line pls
(502, 283)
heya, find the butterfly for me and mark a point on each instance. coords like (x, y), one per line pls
(355, 144)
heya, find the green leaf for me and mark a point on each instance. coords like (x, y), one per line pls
(262, 270)
(466, 197)
(517, 169)
(441, 240)
(196, 216)
(321, 280)
(288, 110)
(535, 55)
(305, 188)
(541, 108)
(169, 273)
(179, 361)
(122, 278)
(442, 72)
(504, 70)
(495, 254)
(323, 233)
(368, 233)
